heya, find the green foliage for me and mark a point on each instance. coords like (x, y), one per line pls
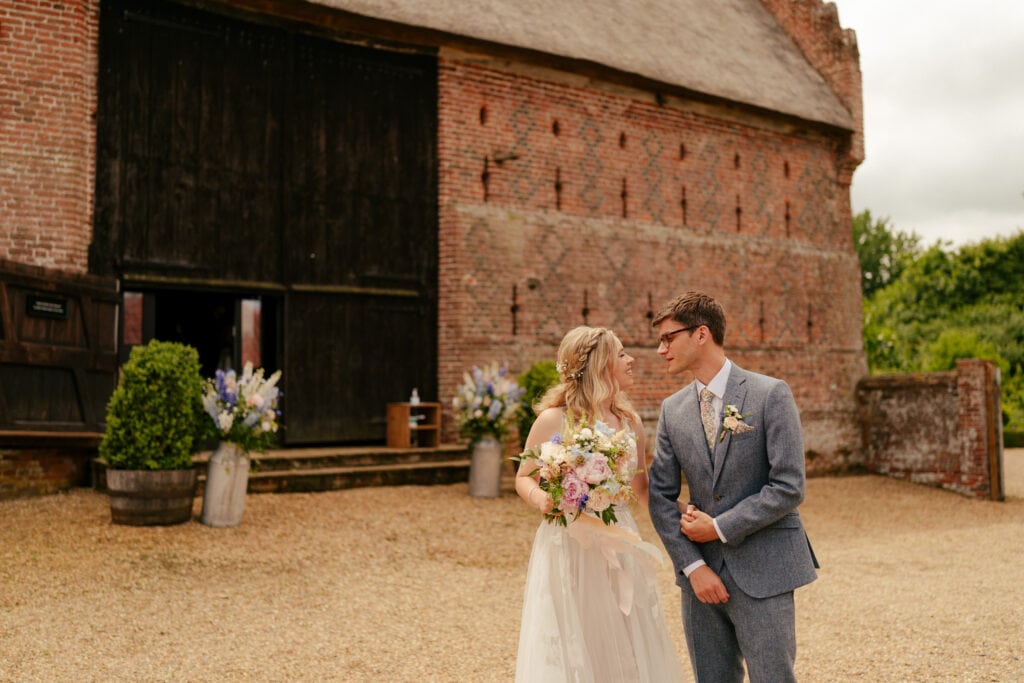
(883, 252)
(945, 305)
(955, 343)
(535, 381)
(1013, 402)
(155, 414)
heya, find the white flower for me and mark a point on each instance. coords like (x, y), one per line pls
(553, 453)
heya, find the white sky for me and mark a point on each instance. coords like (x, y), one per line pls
(943, 115)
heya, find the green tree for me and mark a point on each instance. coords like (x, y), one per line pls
(947, 304)
(882, 250)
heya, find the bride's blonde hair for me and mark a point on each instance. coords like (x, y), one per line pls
(585, 365)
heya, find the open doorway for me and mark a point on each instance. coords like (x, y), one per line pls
(227, 329)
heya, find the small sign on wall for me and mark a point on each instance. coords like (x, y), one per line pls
(53, 307)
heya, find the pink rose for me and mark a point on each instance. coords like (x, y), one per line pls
(573, 490)
(595, 470)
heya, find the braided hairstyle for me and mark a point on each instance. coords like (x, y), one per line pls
(585, 363)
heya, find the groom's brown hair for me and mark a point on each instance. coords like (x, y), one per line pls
(694, 309)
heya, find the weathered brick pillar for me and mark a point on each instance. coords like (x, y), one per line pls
(981, 443)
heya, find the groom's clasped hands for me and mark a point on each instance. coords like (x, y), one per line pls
(699, 528)
(696, 525)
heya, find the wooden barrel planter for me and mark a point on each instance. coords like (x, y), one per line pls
(151, 497)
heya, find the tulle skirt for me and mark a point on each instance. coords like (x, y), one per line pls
(590, 610)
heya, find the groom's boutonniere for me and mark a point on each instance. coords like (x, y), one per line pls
(732, 421)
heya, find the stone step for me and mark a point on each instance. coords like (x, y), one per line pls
(369, 456)
(331, 468)
(334, 478)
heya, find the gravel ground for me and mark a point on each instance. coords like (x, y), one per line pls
(424, 584)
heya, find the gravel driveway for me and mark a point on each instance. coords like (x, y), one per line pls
(424, 584)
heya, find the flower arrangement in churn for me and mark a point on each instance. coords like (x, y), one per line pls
(244, 409)
(585, 470)
(486, 402)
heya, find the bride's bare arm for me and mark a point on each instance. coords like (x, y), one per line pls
(548, 424)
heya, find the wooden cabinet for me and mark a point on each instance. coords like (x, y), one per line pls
(414, 425)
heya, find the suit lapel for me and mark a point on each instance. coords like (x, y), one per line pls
(735, 393)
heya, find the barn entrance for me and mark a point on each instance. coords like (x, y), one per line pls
(258, 166)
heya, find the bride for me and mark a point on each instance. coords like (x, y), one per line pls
(590, 609)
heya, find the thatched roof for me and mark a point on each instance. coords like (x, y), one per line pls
(731, 49)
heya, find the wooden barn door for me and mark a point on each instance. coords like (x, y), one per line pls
(360, 196)
(248, 160)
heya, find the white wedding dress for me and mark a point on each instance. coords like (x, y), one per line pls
(590, 611)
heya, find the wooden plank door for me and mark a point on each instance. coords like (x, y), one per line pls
(251, 159)
(361, 187)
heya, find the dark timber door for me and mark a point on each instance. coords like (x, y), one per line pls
(254, 160)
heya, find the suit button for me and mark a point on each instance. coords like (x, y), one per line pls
(718, 498)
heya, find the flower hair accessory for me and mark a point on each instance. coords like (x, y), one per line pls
(564, 370)
(732, 421)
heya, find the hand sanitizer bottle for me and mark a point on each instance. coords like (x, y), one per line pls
(414, 400)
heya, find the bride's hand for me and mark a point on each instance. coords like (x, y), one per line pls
(542, 500)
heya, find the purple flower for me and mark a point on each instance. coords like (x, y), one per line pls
(557, 438)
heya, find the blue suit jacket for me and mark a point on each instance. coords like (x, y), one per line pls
(752, 489)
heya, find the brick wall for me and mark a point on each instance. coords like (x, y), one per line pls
(40, 471)
(571, 196)
(940, 429)
(832, 50)
(573, 199)
(47, 132)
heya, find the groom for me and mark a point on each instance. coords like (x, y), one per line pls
(738, 547)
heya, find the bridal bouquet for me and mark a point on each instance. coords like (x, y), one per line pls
(585, 469)
(243, 409)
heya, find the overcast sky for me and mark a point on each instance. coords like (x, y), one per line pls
(943, 115)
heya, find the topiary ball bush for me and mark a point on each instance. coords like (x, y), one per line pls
(154, 415)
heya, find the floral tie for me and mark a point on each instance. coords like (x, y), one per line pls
(708, 417)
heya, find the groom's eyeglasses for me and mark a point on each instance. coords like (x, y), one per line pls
(666, 339)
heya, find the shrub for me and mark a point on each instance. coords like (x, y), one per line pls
(154, 416)
(535, 381)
